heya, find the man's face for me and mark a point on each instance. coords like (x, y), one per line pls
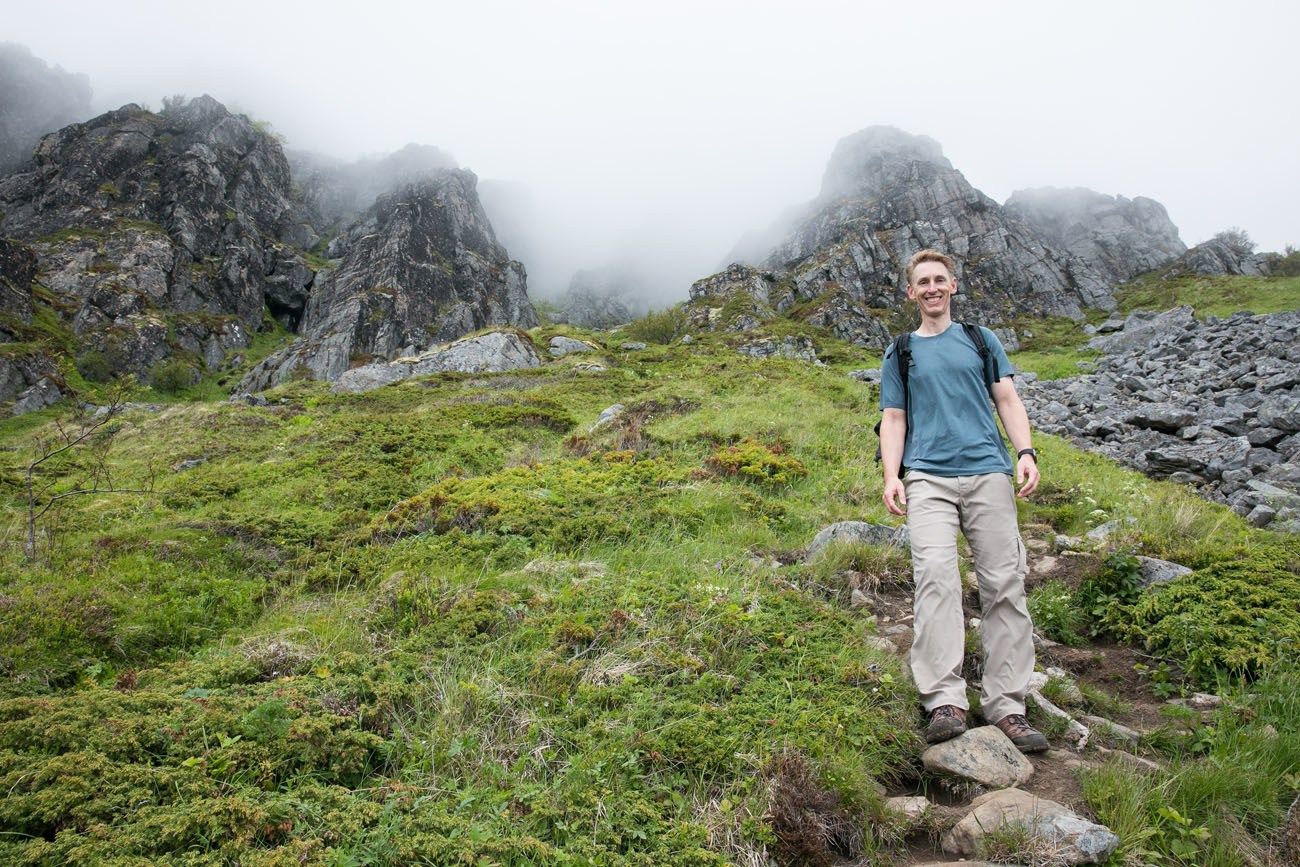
(932, 288)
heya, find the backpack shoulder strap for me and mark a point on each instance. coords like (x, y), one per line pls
(976, 336)
(903, 358)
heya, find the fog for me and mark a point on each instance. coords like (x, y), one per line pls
(657, 135)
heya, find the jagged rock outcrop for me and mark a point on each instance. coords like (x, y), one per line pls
(35, 98)
(159, 234)
(885, 195)
(1119, 237)
(1228, 253)
(1214, 404)
(422, 266)
(602, 298)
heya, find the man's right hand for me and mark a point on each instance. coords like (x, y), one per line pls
(895, 497)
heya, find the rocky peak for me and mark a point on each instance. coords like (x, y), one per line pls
(1119, 237)
(878, 157)
(421, 266)
(887, 194)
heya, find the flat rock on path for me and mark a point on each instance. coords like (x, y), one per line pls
(982, 755)
(1070, 838)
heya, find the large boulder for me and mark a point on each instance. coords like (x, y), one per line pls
(1119, 237)
(158, 233)
(494, 352)
(421, 267)
(1055, 829)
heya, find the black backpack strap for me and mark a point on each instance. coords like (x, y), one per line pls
(903, 358)
(976, 336)
(901, 351)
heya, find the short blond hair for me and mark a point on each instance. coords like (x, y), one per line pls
(930, 256)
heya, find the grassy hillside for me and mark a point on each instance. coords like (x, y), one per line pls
(446, 623)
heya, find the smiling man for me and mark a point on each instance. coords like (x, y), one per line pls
(946, 469)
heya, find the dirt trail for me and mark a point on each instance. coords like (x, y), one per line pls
(1105, 665)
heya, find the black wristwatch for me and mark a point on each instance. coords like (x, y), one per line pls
(1033, 453)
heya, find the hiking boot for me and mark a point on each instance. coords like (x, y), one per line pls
(946, 722)
(1026, 738)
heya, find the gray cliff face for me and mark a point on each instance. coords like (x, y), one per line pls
(422, 266)
(29, 378)
(160, 234)
(17, 270)
(1119, 237)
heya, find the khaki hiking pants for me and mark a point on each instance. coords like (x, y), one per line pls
(984, 509)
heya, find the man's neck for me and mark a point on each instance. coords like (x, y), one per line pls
(932, 325)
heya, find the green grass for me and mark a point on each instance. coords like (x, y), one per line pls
(1211, 296)
(444, 622)
(1228, 788)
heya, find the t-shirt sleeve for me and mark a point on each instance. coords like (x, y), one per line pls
(891, 384)
(1001, 363)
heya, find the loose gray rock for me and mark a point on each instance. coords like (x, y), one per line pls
(632, 346)
(1204, 403)
(1155, 571)
(1069, 836)
(912, 808)
(561, 346)
(1111, 730)
(858, 532)
(982, 755)
(607, 415)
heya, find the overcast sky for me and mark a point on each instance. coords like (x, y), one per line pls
(662, 131)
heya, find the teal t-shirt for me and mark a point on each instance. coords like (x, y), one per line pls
(951, 430)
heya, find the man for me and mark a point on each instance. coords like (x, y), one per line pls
(958, 476)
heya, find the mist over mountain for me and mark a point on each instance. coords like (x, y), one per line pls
(35, 98)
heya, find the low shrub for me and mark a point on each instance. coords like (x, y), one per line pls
(758, 462)
(173, 376)
(663, 326)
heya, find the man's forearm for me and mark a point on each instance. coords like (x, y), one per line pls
(1015, 421)
(893, 432)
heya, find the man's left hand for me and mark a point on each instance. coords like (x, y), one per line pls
(1027, 476)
